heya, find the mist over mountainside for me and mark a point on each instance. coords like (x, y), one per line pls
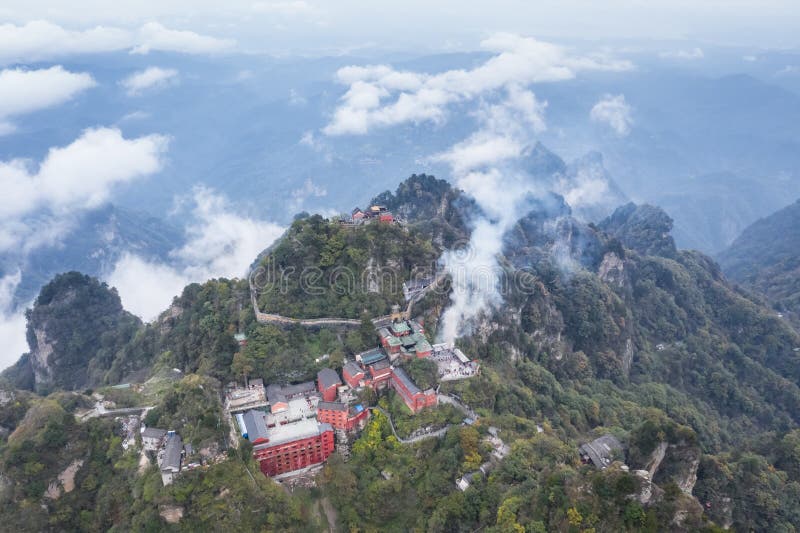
(221, 308)
(766, 259)
(250, 128)
(715, 148)
(691, 161)
(94, 242)
(599, 329)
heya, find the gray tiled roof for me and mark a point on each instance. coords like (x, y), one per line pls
(352, 368)
(332, 406)
(172, 453)
(278, 393)
(601, 451)
(154, 433)
(255, 425)
(400, 375)
(328, 377)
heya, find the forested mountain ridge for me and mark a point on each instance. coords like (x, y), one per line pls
(766, 259)
(614, 331)
(75, 329)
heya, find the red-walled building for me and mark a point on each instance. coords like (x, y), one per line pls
(414, 398)
(423, 349)
(353, 375)
(289, 447)
(380, 374)
(327, 383)
(340, 416)
(390, 343)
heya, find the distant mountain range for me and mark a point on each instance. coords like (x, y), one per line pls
(93, 244)
(716, 150)
(603, 328)
(766, 259)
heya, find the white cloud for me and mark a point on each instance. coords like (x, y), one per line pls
(480, 149)
(25, 91)
(78, 176)
(39, 203)
(309, 140)
(39, 39)
(301, 194)
(286, 8)
(615, 112)
(749, 58)
(691, 54)
(149, 79)
(587, 188)
(12, 322)
(135, 115)
(380, 96)
(296, 99)
(42, 40)
(788, 70)
(154, 36)
(146, 288)
(220, 243)
(482, 167)
(505, 134)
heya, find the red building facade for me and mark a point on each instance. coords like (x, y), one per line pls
(340, 416)
(413, 397)
(290, 455)
(380, 374)
(353, 375)
(327, 383)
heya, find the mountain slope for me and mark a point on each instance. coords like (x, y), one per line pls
(75, 329)
(603, 329)
(766, 258)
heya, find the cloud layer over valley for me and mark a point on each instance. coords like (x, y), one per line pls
(41, 40)
(220, 243)
(25, 91)
(149, 79)
(489, 164)
(78, 176)
(379, 96)
(40, 202)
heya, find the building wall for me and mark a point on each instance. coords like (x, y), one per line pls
(417, 401)
(355, 421)
(337, 419)
(151, 444)
(342, 419)
(329, 394)
(351, 380)
(295, 455)
(388, 347)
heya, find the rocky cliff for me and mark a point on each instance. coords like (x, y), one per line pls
(75, 328)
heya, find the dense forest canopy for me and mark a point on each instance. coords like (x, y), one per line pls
(632, 338)
(766, 258)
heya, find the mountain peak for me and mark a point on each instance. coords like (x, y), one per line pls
(643, 228)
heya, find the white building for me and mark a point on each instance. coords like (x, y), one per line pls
(152, 438)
